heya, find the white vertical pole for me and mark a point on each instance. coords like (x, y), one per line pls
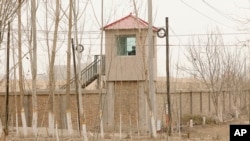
(191, 123)
(203, 120)
(151, 69)
(100, 73)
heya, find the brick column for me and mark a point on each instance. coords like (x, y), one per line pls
(143, 109)
(108, 110)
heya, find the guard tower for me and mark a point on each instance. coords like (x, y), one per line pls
(126, 52)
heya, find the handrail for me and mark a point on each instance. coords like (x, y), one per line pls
(90, 65)
(88, 74)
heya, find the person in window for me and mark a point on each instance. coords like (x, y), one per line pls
(133, 51)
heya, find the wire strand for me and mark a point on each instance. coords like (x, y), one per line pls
(204, 15)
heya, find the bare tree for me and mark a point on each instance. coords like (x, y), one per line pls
(21, 70)
(51, 71)
(234, 77)
(14, 86)
(211, 62)
(81, 116)
(243, 21)
(149, 88)
(34, 66)
(68, 111)
(8, 9)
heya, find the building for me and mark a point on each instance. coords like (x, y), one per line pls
(126, 48)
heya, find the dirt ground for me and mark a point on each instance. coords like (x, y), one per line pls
(212, 132)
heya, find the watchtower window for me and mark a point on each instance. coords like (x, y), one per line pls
(126, 45)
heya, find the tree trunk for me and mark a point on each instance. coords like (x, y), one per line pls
(218, 110)
(52, 111)
(14, 87)
(34, 67)
(67, 103)
(23, 119)
(81, 117)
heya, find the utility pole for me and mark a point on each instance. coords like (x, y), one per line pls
(77, 92)
(161, 33)
(151, 84)
(7, 83)
(168, 79)
(100, 74)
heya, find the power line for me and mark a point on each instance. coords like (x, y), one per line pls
(97, 32)
(211, 34)
(179, 45)
(201, 45)
(204, 15)
(89, 38)
(173, 35)
(60, 31)
(217, 10)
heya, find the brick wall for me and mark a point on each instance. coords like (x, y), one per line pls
(90, 104)
(201, 103)
(125, 106)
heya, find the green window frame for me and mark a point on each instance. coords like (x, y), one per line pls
(126, 45)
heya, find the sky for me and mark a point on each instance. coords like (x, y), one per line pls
(187, 18)
(199, 17)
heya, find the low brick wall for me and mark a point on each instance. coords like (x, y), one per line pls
(193, 103)
(126, 104)
(90, 104)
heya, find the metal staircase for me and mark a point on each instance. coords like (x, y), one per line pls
(90, 73)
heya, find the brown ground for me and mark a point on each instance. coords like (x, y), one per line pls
(219, 132)
(212, 132)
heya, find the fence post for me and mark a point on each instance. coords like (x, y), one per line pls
(230, 104)
(246, 96)
(201, 102)
(209, 108)
(223, 100)
(180, 100)
(191, 103)
(191, 123)
(203, 120)
(240, 99)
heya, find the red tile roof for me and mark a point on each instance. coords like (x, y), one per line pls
(128, 22)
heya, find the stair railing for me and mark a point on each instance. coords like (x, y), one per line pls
(90, 72)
